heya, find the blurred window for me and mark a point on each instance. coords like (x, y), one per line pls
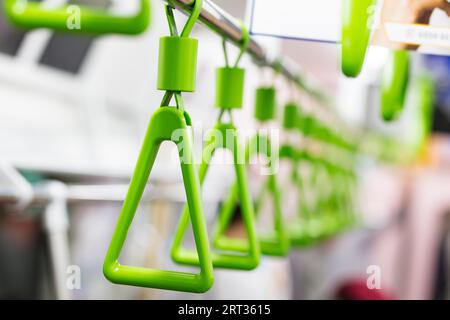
(68, 51)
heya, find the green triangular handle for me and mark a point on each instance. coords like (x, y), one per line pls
(223, 136)
(337, 212)
(300, 234)
(338, 203)
(355, 34)
(32, 15)
(167, 124)
(220, 240)
(329, 204)
(394, 84)
(276, 243)
(318, 224)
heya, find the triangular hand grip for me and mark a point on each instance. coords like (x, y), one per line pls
(344, 203)
(166, 123)
(323, 222)
(355, 34)
(276, 243)
(333, 206)
(299, 233)
(319, 222)
(31, 15)
(223, 136)
(394, 84)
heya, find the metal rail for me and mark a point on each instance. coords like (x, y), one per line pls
(221, 22)
(230, 28)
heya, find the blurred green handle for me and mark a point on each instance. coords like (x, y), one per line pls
(356, 32)
(394, 85)
(74, 18)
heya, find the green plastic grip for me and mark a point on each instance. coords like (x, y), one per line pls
(167, 124)
(177, 66)
(163, 123)
(394, 84)
(265, 104)
(230, 87)
(355, 34)
(219, 139)
(316, 221)
(302, 232)
(275, 243)
(299, 230)
(31, 15)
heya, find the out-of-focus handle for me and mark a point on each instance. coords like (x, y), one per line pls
(356, 30)
(74, 18)
(394, 85)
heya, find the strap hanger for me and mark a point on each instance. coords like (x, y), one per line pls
(318, 224)
(394, 84)
(332, 205)
(229, 96)
(336, 203)
(176, 74)
(276, 243)
(309, 213)
(345, 202)
(32, 15)
(298, 233)
(356, 31)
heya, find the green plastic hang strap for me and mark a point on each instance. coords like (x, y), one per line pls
(345, 202)
(230, 80)
(166, 124)
(394, 84)
(277, 242)
(306, 228)
(219, 139)
(74, 18)
(356, 32)
(328, 205)
(300, 233)
(334, 206)
(298, 228)
(319, 224)
(224, 136)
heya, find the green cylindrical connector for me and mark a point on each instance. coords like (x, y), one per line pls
(265, 104)
(230, 87)
(290, 116)
(177, 67)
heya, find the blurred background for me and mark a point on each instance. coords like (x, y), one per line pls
(73, 114)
